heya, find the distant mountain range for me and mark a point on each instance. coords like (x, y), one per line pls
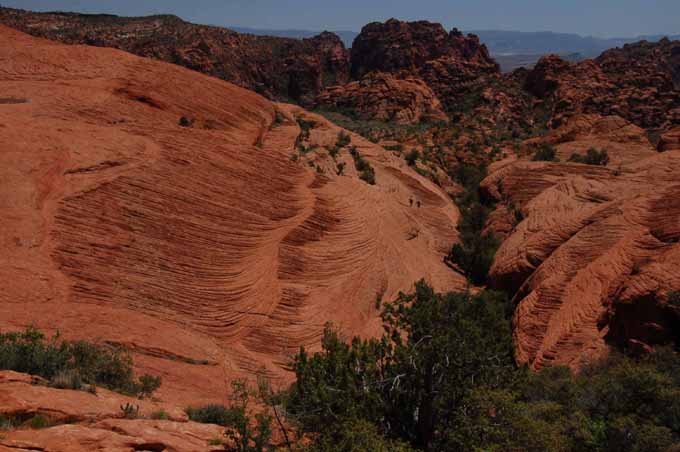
(512, 49)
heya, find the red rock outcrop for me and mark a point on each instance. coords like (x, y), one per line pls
(448, 62)
(638, 82)
(81, 421)
(593, 260)
(383, 97)
(278, 68)
(207, 250)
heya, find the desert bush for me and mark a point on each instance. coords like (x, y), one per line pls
(209, 414)
(160, 415)
(412, 157)
(72, 363)
(129, 411)
(545, 153)
(39, 422)
(185, 122)
(344, 139)
(366, 172)
(592, 157)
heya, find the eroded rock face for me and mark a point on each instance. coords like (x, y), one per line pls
(638, 82)
(448, 62)
(598, 250)
(383, 97)
(205, 249)
(278, 68)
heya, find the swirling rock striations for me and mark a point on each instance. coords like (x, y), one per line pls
(597, 253)
(205, 249)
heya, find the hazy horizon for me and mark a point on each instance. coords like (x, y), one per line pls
(606, 19)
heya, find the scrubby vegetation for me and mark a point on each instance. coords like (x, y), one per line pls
(412, 157)
(592, 157)
(443, 378)
(545, 153)
(366, 171)
(476, 250)
(72, 365)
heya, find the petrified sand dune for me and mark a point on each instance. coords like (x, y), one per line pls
(595, 256)
(205, 249)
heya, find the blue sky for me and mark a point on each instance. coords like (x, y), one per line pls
(602, 18)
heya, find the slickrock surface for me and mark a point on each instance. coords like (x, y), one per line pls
(81, 421)
(383, 97)
(599, 248)
(639, 82)
(278, 68)
(207, 250)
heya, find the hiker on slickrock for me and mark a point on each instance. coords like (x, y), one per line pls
(411, 201)
(418, 203)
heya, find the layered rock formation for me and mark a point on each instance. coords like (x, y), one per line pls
(211, 250)
(448, 62)
(597, 253)
(638, 82)
(278, 68)
(383, 97)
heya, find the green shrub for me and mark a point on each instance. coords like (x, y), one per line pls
(70, 364)
(209, 414)
(412, 157)
(67, 379)
(545, 153)
(160, 415)
(39, 422)
(366, 172)
(185, 122)
(592, 157)
(344, 139)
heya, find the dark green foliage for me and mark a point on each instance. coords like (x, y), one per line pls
(39, 422)
(356, 436)
(279, 118)
(343, 140)
(241, 431)
(185, 122)
(546, 153)
(209, 414)
(412, 383)
(476, 251)
(412, 157)
(592, 157)
(442, 378)
(70, 364)
(366, 171)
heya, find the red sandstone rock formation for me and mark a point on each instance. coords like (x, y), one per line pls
(382, 97)
(278, 68)
(639, 82)
(448, 62)
(206, 250)
(598, 250)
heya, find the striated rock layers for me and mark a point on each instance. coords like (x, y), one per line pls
(277, 68)
(207, 250)
(598, 250)
(639, 82)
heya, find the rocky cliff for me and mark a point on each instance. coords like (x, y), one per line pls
(278, 68)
